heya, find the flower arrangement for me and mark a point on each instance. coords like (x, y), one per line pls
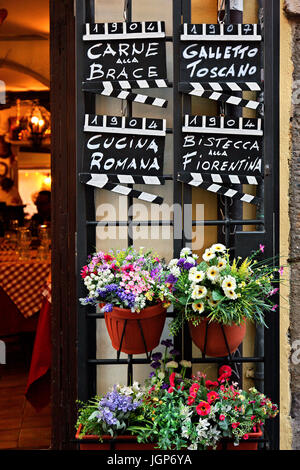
(196, 414)
(224, 291)
(176, 412)
(125, 278)
(112, 413)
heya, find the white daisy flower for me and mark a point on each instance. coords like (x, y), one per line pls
(208, 255)
(175, 270)
(229, 283)
(192, 271)
(190, 259)
(230, 294)
(218, 247)
(199, 292)
(185, 251)
(212, 303)
(199, 307)
(212, 273)
(196, 276)
(222, 263)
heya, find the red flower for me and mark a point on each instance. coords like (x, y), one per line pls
(84, 272)
(235, 425)
(194, 389)
(212, 396)
(190, 401)
(225, 373)
(221, 417)
(108, 258)
(172, 379)
(128, 268)
(203, 409)
(245, 436)
(171, 389)
(210, 384)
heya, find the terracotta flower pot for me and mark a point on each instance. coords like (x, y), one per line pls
(89, 442)
(138, 329)
(215, 341)
(244, 444)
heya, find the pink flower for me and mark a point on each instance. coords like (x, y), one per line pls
(235, 425)
(190, 401)
(172, 379)
(280, 270)
(273, 292)
(221, 417)
(274, 307)
(262, 247)
(245, 436)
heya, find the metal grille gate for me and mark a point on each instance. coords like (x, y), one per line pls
(182, 194)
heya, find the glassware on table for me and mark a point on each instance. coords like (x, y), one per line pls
(24, 242)
(43, 251)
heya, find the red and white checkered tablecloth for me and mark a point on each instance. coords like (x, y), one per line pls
(24, 283)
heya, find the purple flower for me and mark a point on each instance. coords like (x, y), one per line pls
(165, 386)
(262, 247)
(155, 365)
(152, 374)
(167, 342)
(108, 308)
(174, 352)
(188, 266)
(171, 279)
(156, 356)
(280, 270)
(154, 272)
(181, 262)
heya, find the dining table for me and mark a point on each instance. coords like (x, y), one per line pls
(21, 285)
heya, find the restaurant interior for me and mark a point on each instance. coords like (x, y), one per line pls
(25, 225)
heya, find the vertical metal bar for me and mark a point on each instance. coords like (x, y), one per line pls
(129, 114)
(187, 192)
(271, 146)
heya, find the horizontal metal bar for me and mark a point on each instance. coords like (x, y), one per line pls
(160, 223)
(94, 316)
(197, 360)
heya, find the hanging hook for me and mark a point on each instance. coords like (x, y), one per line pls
(125, 10)
(123, 107)
(221, 7)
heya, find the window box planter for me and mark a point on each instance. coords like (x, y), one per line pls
(91, 442)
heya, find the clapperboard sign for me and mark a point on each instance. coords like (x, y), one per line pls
(121, 150)
(221, 151)
(120, 57)
(217, 59)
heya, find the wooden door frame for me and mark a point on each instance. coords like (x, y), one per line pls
(63, 170)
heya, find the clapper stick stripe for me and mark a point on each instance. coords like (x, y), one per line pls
(222, 190)
(125, 84)
(128, 179)
(102, 182)
(214, 86)
(135, 97)
(223, 179)
(228, 99)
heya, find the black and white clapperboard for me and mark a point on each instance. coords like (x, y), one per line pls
(217, 59)
(120, 57)
(122, 150)
(221, 151)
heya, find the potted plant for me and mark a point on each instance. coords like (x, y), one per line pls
(200, 414)
(129, 287)
(103, 422)
(217, 296)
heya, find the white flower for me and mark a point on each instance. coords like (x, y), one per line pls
(198, 307)
(175, 270)
(230, 294)
(197, 276)
(190, 260)
(229, 283)
(185, 363)
(212, 303)
(192, 271)
(222, 263)
(195, 256)
(212, 273)
(172, 364)
(173, 262)
(185, 251)
(218, 247)
(199, 292)
(208, 255)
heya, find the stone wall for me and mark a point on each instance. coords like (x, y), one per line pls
(292, 9)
